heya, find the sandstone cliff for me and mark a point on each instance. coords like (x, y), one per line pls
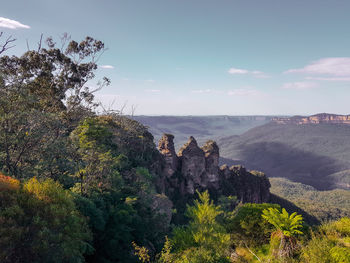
(195, 168)
(314, 119)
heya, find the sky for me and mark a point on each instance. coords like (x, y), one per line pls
(204, 57)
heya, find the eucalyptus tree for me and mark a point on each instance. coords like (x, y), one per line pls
(43, 95)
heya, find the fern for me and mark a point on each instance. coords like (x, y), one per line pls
(289, 225)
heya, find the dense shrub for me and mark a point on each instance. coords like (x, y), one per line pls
(40, 223)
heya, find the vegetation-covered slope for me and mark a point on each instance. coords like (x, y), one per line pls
(78, 187)
(307, 153)
(324, 205)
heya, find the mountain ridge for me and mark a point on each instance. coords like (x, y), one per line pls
(314, 119)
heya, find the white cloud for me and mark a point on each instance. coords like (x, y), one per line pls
(150, 80)
(339, 67)
(11, 24)
(255, 73)
(329, 78)
(243, 92)
(153, 90)
(238, 71)
(202, 91)
(299, 85)
(107, 67)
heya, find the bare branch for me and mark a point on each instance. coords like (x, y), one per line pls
(133, 110)
(40, 42)
(27, 45)
(7, 45)
(65, 38)
(123, 107)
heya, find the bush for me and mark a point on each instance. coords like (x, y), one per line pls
(39, 223)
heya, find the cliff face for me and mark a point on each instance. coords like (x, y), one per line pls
(315, 119)
(195, 168)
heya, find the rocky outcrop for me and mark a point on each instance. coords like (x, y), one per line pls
(211, 154)
(249, 186)
(192, 160)
(195, 168)
(314, 119)
(167, 149)
(163, 206)
(169, 180)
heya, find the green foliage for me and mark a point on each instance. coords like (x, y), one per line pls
(283, 243)
(204, 239)
(141, 253)
(246, 225)
(228, 203)
(165, 256)
(43, 95)
(97, 163)
(324, 205)
(330, 244)
(288, 224)
(113, 192)
(48, 129)
(39, 223)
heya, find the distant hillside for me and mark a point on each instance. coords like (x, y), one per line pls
(202, 128)
(324, 205)
(314, 154)
(315, 119)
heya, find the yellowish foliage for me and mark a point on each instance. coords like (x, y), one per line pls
(8, 183)
(141, 252)
(244, 253)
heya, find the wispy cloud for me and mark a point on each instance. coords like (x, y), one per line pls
(153, 90)
(107, 67)
(11, 24)
(338, 67)
(202, 91)
(243, 92)
(238, 71)
(254, 73)
(150, 80)
(299, 85)
(329, 78)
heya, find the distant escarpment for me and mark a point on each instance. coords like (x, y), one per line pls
(314, 119)
(194, 168)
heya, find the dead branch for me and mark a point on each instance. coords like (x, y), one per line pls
(7, 45)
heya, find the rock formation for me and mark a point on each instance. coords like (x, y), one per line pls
(248, 186)
(314, 119)
(167, 149)
(192, 161)
(169, 181)
(211, 153)
(195, 168)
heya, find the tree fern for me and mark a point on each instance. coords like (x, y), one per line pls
(290, 225)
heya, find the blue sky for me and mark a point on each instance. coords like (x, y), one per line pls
(205, 57)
